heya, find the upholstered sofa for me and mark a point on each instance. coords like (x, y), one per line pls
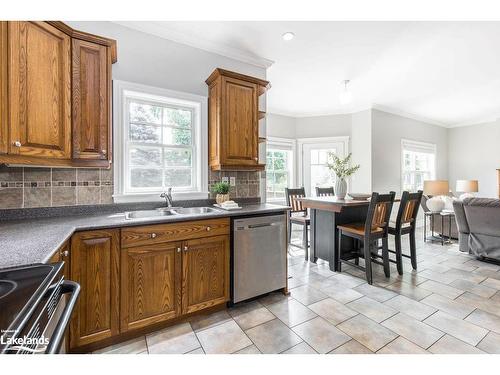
(478, 222)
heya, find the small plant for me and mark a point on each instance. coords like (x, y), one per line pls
(221, 188)
(341, 166)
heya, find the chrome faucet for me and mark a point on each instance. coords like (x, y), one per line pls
(167, 195)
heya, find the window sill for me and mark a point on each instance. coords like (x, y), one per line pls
(132, 198)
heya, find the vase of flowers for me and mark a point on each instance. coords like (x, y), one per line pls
(222, 191)
(342, 169)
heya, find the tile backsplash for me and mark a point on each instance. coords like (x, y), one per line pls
(247, 183)
(26, 187)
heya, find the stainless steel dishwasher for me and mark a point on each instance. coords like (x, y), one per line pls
(259, 261)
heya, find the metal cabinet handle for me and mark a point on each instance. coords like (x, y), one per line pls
(65, 253)
(104, 151)
(178, 249)
(209, 229)
(153, 235)
(17, 144)
(185, 248)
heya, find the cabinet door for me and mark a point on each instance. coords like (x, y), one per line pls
(39, 90)
(240, 132)
(3, 88)
(205, 268)
(150, 284)
(91, 120)
(95, 266)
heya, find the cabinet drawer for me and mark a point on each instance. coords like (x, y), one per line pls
(158, 233)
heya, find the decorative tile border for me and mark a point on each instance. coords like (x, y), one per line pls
(47, 187)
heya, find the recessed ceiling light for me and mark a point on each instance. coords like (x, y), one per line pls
(288, 36)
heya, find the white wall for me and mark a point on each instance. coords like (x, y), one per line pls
(151, 60)
(280, 126)
(323, 126)
(361, 148)
(387, 131)
(474, 154)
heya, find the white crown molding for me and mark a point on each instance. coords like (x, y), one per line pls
(351, 111)
(478, 121)
(412, 116)
(153, 28)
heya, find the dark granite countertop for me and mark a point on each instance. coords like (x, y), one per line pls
(30, 241)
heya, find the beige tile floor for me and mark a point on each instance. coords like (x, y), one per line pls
(450, 305)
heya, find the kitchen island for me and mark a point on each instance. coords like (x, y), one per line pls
(326, 213)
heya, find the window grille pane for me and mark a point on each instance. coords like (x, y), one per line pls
(145, 113)
(145, 156)
(177, 158)
(177, 117)
(175, 136)
(178, 177)
(146, 178)
(145, 133)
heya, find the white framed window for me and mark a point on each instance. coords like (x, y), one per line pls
(160, 141)
(280, 166)
(418, 163)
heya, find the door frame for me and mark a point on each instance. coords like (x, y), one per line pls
(301, 142)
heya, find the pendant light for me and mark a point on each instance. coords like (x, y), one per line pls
(345, 96)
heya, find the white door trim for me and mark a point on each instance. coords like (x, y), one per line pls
(300, 151)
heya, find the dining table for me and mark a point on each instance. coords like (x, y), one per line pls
(326, 213)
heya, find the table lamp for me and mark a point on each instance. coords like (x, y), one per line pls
(467, 187)
(436, 189)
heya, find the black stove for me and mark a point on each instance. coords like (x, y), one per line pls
(30, 297)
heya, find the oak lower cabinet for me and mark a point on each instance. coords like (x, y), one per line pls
(205, 273)
(95, 266)
(139, 277)
(150, 284)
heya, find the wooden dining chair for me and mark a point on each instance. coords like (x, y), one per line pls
(324, 192)
(406, 223)
(367, 235)
(298, 215)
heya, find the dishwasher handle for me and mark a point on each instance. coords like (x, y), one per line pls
(263, 225)
(255, 226)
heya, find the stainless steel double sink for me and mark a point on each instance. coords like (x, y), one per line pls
(166, 211)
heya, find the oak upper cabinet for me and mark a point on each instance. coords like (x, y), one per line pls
(55, 86)
(3, 87)
(150, 284)
(39, 90)
(233, 105)
(95, 262)
(91, 76)
(205, 273)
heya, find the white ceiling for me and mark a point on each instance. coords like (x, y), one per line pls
(447, 73)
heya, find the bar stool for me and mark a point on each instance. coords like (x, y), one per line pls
(406, 223)
(324, 192)
(368, 234)
(301, 219)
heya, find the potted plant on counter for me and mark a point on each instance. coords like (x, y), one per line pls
(222, 191)
(342, 169)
